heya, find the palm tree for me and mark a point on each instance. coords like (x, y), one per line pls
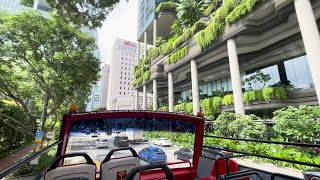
(190, 11)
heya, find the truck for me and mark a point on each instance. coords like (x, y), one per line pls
(135, 135)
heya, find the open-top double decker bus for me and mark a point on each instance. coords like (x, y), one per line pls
(79, 157)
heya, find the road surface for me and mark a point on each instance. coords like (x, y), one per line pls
(80, 142)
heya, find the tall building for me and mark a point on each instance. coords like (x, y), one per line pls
(105, 71)
(124, 57)
(15, 6)
(283, 44)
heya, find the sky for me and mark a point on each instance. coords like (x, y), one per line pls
(121, 23)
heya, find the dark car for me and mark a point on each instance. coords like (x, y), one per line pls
(217, 152)
(108, 132)
(184, 154)
(121, 141)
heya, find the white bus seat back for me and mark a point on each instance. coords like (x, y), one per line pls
(81, 171)
(118, 168)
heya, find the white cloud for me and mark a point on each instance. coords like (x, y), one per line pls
(122, 23)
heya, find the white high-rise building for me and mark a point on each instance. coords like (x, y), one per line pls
(121, 93)
(105, 71)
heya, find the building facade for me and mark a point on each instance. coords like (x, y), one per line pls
(124, 57)
(105, 71)
(278, 39)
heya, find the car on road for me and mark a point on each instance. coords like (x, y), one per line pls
(102, 143)
(162, 142)
(95, 135)
(153, 154)
(216, 152)
(184, 154)
(121, 141)
(145, 139)
(87, 131)
(84, 131)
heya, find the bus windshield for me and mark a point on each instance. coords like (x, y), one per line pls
(147, 136)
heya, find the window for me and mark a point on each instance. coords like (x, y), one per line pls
(120, 92)
(120, 87)
(298, 72)
(120, 82)
(120, 77)
(124, 93)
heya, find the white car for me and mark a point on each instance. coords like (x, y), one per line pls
(162, 142)
(102, 143)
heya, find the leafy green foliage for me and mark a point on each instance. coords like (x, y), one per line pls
(267, 93)
(188, 108)
(228, 100)
(163, 108)
(83, 12)
(211, 106)
(241, 10)
(245, 127)
(41, 59)
(177, 138)
(146, 75)
(179, 107)
(159, 42)
(177, 56)
(217, 24)
(190, 11)
(258, 78)
(298, 124)
(166, 6)
(213, 4)
(222, 122)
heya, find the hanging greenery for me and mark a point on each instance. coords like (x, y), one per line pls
(228, 100)
(177, 56)
(212, 7)
(163, 108)
(216, 27)
(241, 10)
(146, 75)
(188, 108)
(166, 6)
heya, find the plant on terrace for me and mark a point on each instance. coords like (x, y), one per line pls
(190, 11)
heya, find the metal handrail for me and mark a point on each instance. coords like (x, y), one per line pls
(264, 141)
(25, 161)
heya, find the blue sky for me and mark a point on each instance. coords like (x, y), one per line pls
(121, 23)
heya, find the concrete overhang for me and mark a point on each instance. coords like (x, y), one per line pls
(164, 23)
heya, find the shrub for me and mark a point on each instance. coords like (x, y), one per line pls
(267, 93)
(222, 122)
(163, 108)
(228, 99)
(188, 108)
(146, 75)
(166, 6)
(298, 124)
(241, 10)
(177, 56)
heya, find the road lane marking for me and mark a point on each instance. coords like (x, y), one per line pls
(91, 149)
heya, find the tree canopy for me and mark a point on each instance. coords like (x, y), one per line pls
(45, 65)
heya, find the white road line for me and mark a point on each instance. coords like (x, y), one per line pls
(91, 149)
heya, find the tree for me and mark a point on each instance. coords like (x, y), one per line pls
(45, 64)
(88, 13)
(190, 11)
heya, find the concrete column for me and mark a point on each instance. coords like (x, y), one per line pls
(138, 53)
(35, 4)
(235, 77)
(170, 92)
(136, 100)
(155, 95)
(144, 99)
(145, 44)
(154, 32)
(195, 87)
(311, 39)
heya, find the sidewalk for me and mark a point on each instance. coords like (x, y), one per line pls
(12, 158)
(270, 168)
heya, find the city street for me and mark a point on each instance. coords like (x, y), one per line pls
(80, 142)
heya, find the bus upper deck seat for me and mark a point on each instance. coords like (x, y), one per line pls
(220, 168)
(71, 172)
(114, 169)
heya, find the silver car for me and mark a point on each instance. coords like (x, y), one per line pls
(102, 143)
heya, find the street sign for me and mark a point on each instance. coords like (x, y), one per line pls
(50, 134)
(39, 136)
